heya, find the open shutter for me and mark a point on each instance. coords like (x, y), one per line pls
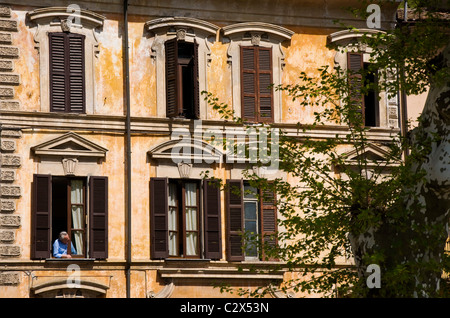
(268, 219)
(211, 195)
(76, 73)
(98, 217)
(235, 226)
(41, 216)
(159, 236)
(354, 66)
(172, 75)
(248, 83)
(196, 83)
(265, 91)
(58, 66)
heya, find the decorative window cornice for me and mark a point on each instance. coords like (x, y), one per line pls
(55, 15)
(265, 30)
(173, 24)
(347, 37)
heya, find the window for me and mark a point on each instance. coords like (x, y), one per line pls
(251, 213)
(182, 87)
(59, 204)
(256, 79)
(183, 219)
(180, 226)
(181, 53)
(67, 87)
(369, 102)
(67, 65)
(256, 57)
(68, 207)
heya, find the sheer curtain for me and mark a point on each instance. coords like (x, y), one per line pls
(76, 200)
(191, 219)
(173, 250)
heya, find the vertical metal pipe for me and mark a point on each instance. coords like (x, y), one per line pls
(128, 148)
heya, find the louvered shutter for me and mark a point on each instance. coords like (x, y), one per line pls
(41, 216)
(265, 91)
(354, 66)
(248, 83)
(172, 74)
(211, 195)
(67, 88)
(98, 217)
(268, 219)
(196, 83)
(76, 73)
(235, 226)
(58, 67)
(159, 235)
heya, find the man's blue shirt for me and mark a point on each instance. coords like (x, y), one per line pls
(60, 248)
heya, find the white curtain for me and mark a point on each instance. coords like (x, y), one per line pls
(76, 197)
(173, 250)
(191, 219)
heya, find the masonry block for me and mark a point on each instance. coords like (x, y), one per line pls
(7, 175)
(6, 65)
(10, 191)
(8, 206)
(6, 92)
(11, 221)
(8, 25)
(9, 250)
(7, 236)
(11, 160)
(9, 278)
(9, 79)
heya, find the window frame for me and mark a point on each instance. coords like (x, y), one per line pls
(68, 73)
(55, 19)
(44, 223)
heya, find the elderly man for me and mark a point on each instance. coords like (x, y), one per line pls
(60, 246)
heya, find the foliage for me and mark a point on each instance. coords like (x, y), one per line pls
(337, 200)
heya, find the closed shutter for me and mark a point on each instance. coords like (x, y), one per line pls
(41, 216)
(76, 73)
(235, 226)
(67, 83)
(159, 236)
(98, 217)
(248, 83)
(354, 66)
(211, 195)
(58, 82)
(172, 77)
(265, 91)
(196, 83)
(268, 220)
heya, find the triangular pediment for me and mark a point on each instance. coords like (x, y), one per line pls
(186, 150)
(372, 154)
(70, 145)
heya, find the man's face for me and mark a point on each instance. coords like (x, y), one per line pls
(65, 239)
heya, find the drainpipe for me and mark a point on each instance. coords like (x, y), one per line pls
(128, 147)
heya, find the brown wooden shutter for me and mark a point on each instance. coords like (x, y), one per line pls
(196, 83)
(268, 219)
(211, 196)
(354, 66)
(98, 217)
(67, 88)
(159, 235)
(235, 226)
(41, 216)
(265, 91)
(76, 72)
(172, 78)
(58, 67)
(248, 83)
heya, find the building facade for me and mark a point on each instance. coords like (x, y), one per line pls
(90, 138)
